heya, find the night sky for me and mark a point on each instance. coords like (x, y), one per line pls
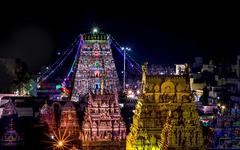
(160, 34)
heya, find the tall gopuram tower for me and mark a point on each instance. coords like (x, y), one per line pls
(95, 53)
(165, 116)
(103, 127)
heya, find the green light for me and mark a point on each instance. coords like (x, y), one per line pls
(58, 86)
(96, 64)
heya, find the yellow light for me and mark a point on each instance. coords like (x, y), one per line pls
(60, 143)
(223, 107)
(60, 140)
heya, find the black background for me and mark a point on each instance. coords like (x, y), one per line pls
(158, 33)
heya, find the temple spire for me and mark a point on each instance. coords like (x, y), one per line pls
(95, 50)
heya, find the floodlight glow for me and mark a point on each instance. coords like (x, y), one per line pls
(138, 92)
(60, 143)
(95, 30)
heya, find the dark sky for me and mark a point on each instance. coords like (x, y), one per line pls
(160, 34)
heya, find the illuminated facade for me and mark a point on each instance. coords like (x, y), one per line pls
(95, 60)
(10, 136)
(47, 116)
(165, 116)
(69, 120)
(103, 127)
(9, 112)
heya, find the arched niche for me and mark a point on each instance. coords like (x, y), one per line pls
(168, 87)
(156, 88)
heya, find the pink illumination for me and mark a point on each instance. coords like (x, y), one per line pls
(103, 121)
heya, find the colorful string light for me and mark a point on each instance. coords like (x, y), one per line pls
(59, 64)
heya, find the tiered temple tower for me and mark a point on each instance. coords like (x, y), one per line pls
(95, 60)
(165, 115)
(47, 117)
(9, 119)
(103, 127)
(69, 120)
(10, 136)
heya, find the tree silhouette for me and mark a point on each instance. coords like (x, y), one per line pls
(6, 80)
(204, 97)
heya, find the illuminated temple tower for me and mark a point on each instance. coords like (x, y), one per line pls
(10, 135)
(165, 116)
(47, 117)
(95, 53)
(103, 127)
(69, 120)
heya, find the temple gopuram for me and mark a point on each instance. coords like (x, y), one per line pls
(95, 59)
(103, 127)
(165, 116)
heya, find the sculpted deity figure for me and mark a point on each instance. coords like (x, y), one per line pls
(187, 135)
(186, 68)
(152, 140)
(156, 88)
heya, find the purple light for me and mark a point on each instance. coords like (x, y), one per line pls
(60, 60)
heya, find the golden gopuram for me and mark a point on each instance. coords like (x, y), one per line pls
(165, 116)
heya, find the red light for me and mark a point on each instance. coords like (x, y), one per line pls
(205, 121)
(65, 90)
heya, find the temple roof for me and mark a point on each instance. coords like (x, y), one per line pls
(9, 109)
(103, 97)
(46, 109)
(95, 36)
(68, 106)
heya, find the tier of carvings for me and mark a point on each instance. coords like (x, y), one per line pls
(47, 116)
(95, 62)
(103, 126)
(165, 115)
(69, 120)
